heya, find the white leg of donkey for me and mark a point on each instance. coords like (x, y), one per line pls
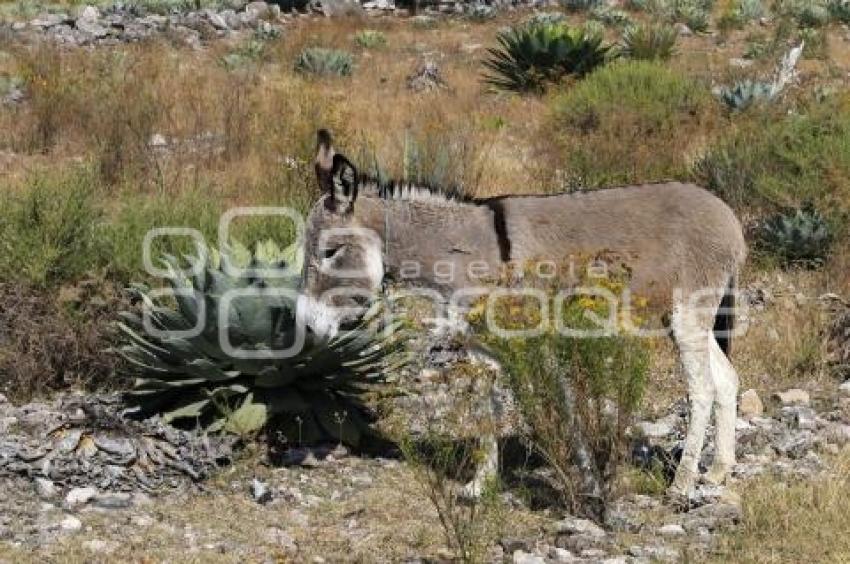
(693, 340)
(488, 467)
(712, 381)
(725, 381)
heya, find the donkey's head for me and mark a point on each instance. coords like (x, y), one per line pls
(343, 261)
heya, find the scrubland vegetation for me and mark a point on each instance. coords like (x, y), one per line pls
(111, 142)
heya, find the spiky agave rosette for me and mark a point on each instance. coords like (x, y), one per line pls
(315, 394)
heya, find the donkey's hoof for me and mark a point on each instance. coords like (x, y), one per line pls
(717, 474)
(677, 498)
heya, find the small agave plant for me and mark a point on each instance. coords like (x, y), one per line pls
(325, 62)
(799, 237)
(315, 395)
(746, 93)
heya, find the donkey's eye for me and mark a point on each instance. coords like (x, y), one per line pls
(331, 251)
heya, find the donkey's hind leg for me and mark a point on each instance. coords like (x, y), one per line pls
(725, 381)
(694, 342)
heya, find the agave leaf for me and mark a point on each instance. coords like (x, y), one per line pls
(248, 418)
(192, 410)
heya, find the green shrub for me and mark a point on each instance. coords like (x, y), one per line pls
(800, 236)
(370, 38)
(579, 5)
(49, 230)
(816, 43)
(696, 18)
(533, 55)
(839, 10)
(575, 393)
(315, 394)
(630, 122)
(325, 62)
(781, 161)
(650, 41)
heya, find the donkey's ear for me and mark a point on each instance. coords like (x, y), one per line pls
(336, 175)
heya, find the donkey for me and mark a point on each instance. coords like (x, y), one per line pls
(680, 243)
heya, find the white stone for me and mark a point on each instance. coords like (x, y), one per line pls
(794, 396)
(70, 524)
(89, 13)
(141, 520)
(522, 557)
(843, 388)
(750, 404)
(79, 496)
(99, 546)
(576, 526)
(561, 554)
(45, 488)
(671, 530)
(660, 428)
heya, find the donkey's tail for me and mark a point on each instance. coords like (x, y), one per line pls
(724, 320)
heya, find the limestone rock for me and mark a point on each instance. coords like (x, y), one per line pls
(750, 405)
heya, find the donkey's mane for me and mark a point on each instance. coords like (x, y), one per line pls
(409, 191)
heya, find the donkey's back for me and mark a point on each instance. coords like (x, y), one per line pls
(672, 236)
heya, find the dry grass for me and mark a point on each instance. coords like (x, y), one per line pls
(806, 521)
(345, 520)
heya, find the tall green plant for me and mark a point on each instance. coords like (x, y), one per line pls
(577, 393)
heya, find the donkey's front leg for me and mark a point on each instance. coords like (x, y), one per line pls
(487, 469)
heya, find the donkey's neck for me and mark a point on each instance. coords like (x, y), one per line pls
(433, 242)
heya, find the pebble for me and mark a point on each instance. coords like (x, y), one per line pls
(671, 530)
(522, 557)
(70, 524)
(45, 488)
(577, 526)
(794, 396)
(750, 404)
(79, 496)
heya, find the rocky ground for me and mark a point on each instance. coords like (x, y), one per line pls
(80, 479)
(132, 22)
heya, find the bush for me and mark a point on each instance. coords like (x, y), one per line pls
(533, 55)
(630, 122)
(650, 41)
(839, 11)
(575, 393)
(580, 5)
(370, 39)
(56, 340)
(324, 62)
(49, 230)
(782, 161)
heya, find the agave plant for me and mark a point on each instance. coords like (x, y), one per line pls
(746, 93)
(533, 55)
(800, 236)
(325, 62)
(227, 377)
(650, 41)
(611, 16)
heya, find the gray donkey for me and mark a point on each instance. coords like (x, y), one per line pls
(682, 246)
